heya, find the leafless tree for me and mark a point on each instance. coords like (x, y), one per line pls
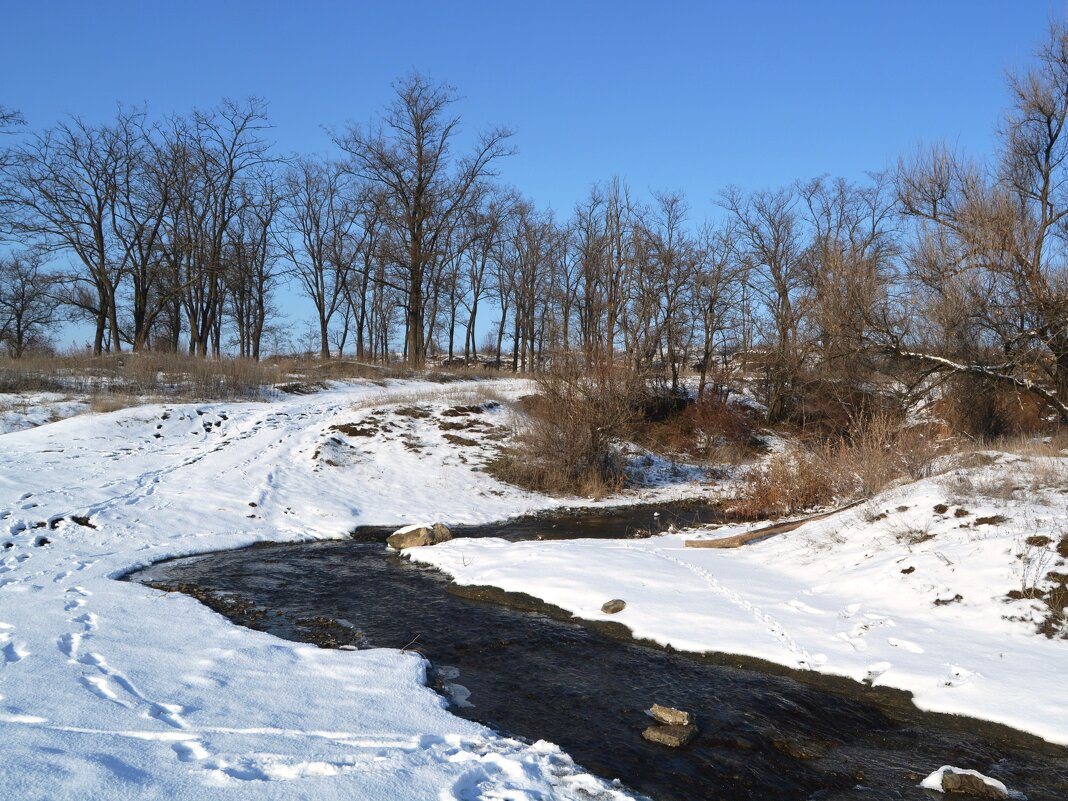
(320, 237)
(770, 239)
(407, 154)
(27, 306)
(989, 259)
(63, 189)
(252, 264)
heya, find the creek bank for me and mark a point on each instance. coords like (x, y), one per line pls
(531, 670)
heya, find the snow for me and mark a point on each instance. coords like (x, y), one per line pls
(110, 689)
(934, 781)
(870, 593)
(27, 410)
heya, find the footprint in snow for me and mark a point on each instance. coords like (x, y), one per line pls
(876, 670)
(190, 751)
(856, 642)
(801, 606)
(906, 645)
(69, 644)
(102, 688)
(850, 610)
(959, 676)
(13, 652)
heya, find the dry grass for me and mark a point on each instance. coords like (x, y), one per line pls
(839, 470)
(183, 377)
(708, 430)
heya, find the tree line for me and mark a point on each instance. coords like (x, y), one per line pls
(179, 233)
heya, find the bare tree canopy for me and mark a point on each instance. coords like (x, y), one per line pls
(407, 153)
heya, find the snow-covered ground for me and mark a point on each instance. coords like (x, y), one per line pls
(30, 409)
(908, 590)
(109, 689)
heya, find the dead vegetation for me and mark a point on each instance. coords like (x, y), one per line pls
(175, 376)
(847, 467)
(709, 429)
(568, 440)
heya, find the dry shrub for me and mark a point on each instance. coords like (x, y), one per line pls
(981, 408)
(101, 404)
(709, 429)
(877, 453)
(789, 482)
(133, 374)
(179, 376)
(567, 443)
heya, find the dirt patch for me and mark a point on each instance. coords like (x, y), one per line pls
(354, 430)
(302, 387)
(465, 425)
(465, 411)
(461, 441)
(993, 520)
(1055, 599)
(416, 412)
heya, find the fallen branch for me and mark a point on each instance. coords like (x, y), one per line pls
(738, 540)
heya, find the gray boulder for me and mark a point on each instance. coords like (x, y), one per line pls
(671, 736)
(971, 785)
(670, 716)
(419, 535)
(613, 606)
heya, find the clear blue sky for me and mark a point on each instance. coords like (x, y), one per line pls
(671, 95)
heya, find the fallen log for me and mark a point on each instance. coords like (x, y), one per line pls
(738, 540)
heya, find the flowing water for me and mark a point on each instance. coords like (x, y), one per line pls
(526, 670)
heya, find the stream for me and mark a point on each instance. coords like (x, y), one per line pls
(530, 671)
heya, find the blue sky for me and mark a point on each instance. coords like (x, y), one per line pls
(669, 95)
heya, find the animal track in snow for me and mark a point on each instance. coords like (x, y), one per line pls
(13, 652)
(905, 645)
(801, 606)
(958, 676)
(190, 751)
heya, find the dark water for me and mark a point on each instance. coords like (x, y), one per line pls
(570, 524)
(532, 675)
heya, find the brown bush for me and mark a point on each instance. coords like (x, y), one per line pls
(789, 482)
(709, 429)
(839, 470)
(568, 440)
(980, 408)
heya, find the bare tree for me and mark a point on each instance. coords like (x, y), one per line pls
(320, 237)
(27, 307)
(407, 154)
(770, 240)
(216, 149)
(989, 260)
(252, 272)
(63, 186)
